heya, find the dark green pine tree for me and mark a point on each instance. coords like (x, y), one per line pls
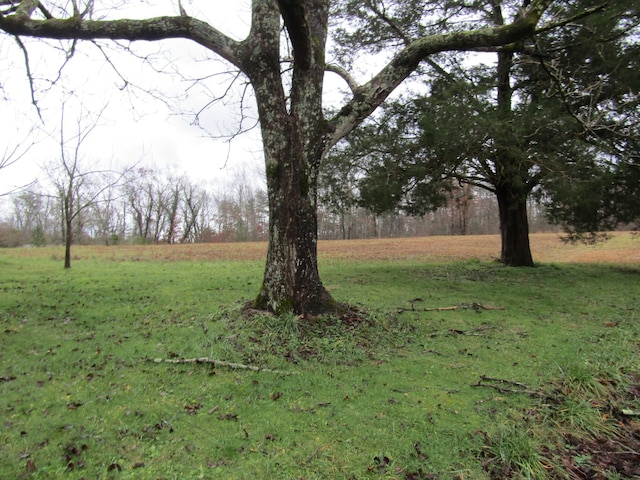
(513, 127)
(596, 75)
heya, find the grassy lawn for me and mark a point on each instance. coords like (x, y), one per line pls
(529, 369)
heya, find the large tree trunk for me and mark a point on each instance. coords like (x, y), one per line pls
(511, 171)
(291, 279)
(514, 226)
(294, 136)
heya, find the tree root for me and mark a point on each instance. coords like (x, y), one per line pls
(221, 363)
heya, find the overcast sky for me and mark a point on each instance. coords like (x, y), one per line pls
(134, 127)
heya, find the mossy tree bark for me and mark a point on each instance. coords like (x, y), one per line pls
(294, 137)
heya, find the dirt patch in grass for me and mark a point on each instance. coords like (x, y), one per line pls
(619, 453)
(603, 456)
(598, 458)
(604, 450)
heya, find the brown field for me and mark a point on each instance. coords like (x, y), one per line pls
(623, 247)
(546, 247)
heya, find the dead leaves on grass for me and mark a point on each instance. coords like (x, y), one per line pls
(192, 409)
(382, 464)
(578, 454)
(30, 467)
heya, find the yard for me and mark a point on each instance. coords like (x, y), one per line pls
(447, 365)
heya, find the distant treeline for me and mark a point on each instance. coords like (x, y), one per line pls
(149, 207)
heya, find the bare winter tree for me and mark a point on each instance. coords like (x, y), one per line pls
(193, 206)
(296, 134)
(77, 186)
(34, 214)
(240, 210)
(105, 221)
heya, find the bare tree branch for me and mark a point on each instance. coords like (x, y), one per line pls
(27, 67)
(345, 75)
(158, 28)
(12, 155)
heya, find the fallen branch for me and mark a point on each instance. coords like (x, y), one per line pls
(440, 309)
(509, 386)
(475, 332)
(221, 363)
(473, 306)
(464, 306)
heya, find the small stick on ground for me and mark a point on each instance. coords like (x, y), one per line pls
(512, 387)
(465, 306)
(221, 363)
(440, 309)
(476, 332)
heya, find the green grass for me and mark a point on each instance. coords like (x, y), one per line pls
(392, 396)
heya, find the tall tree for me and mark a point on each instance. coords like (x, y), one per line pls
(194, 205)
(600, 89)
(509, 126)
(295, 132)
(32, 214)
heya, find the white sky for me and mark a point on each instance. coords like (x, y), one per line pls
(134, 127)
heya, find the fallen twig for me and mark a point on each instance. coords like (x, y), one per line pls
(440, 309)
(464, 306)
(513, 387)
(222, 363)
(475, 332)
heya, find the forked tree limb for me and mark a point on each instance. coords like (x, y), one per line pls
(221, 363)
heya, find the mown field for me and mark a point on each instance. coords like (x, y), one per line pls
(450, 365)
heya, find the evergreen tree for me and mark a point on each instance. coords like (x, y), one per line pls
(542, 113)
